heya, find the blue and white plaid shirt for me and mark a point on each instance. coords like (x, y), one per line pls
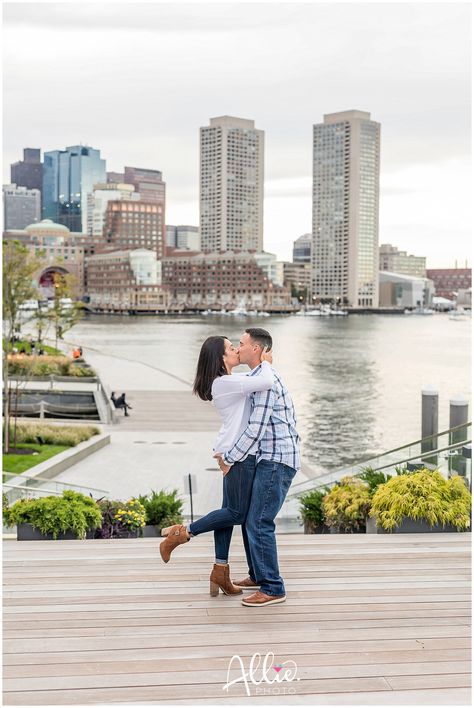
(272, 424)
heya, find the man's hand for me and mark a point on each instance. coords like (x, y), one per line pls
(225, 468)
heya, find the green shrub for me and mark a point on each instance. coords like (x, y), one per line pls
(162, 509)
(46, 366)
(374, 479)
(70, 512)
(69, 435)
(423, 495)
(347, 505)
(311, 508)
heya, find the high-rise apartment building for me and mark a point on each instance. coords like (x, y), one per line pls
(68, 177)
(346, 167)
(29, 171)
(148, 183)
(302, 249)
(183, 237)
(395, 261)
(21, 206)
(231, 185)
(129, 225)
(98, 200)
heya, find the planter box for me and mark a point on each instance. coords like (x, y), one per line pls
(361, 530)
(310, 527)
(410, 526)
(26, 532)
(150, 531)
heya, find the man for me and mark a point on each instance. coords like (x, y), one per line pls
(272, 425)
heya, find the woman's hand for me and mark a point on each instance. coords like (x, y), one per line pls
(266, 355)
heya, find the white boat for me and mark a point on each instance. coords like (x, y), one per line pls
(263, 314)
(341, 313)
(458, 315)
(419, 311)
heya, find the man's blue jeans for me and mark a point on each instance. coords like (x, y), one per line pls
(237, 490)
(270, 487)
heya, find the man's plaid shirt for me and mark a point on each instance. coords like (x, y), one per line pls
(272, 424)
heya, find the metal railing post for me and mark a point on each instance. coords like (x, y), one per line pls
(458, 416)
(429, 422)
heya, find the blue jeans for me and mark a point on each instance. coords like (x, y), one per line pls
(270, 487)
(237, 490)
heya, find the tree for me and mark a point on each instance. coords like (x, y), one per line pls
(19, 269)
(64, 314)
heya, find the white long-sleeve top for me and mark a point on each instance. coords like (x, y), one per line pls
(231, 397)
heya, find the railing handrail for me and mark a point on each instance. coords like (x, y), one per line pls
(425, 454)
(62, 484)
(396, 449)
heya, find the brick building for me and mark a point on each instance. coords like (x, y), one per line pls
(221, 280)
(126, 280)
(448, 281)
(134, 224)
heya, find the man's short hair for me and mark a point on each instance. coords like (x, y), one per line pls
(260, 337)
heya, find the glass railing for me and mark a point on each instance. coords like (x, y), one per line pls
(448, 451)
(23, 486)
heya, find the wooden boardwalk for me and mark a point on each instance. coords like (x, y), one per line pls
(369, 620)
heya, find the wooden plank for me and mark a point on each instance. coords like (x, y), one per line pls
(91, 622)
(194, 664)
(400, 671)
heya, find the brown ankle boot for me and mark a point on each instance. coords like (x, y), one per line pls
(220, 578)
(176, 536)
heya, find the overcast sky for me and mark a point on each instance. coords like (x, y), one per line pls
(138, 80)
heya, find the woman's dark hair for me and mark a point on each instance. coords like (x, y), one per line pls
(209, 367)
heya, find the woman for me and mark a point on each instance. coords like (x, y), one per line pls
(230, 393)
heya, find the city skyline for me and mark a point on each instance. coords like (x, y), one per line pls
(408, 65)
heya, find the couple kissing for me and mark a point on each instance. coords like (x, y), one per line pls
(257, 449)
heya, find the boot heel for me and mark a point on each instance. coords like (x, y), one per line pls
(213, 588)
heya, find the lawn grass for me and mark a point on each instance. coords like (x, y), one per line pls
(21, 463)
(25, 346)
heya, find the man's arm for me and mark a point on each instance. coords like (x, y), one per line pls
(263, 403)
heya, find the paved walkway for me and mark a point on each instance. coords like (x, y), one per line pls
(168, 434)
(369, 620)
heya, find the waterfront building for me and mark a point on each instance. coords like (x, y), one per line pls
(183, 237)
(221, 280)
(68, 177)
(148, 183)
(126, 280)
(391, 259)
(134, 224)
(29, 171)
(21, 206)
(231, 185)
(302, 249)
(116, 177)
(346, 167)
(270, 266)
(401, 290)
(297, 276)
(97, 203)
(61, 252)
(448, 281)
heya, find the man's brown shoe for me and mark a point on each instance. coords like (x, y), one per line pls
(176, 536)
(246, 583)
(258, 599)
(220, 578)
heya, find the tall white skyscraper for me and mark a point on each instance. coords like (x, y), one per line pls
(231, 185)
(346, 169)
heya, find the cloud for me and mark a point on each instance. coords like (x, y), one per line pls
(138, 80)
